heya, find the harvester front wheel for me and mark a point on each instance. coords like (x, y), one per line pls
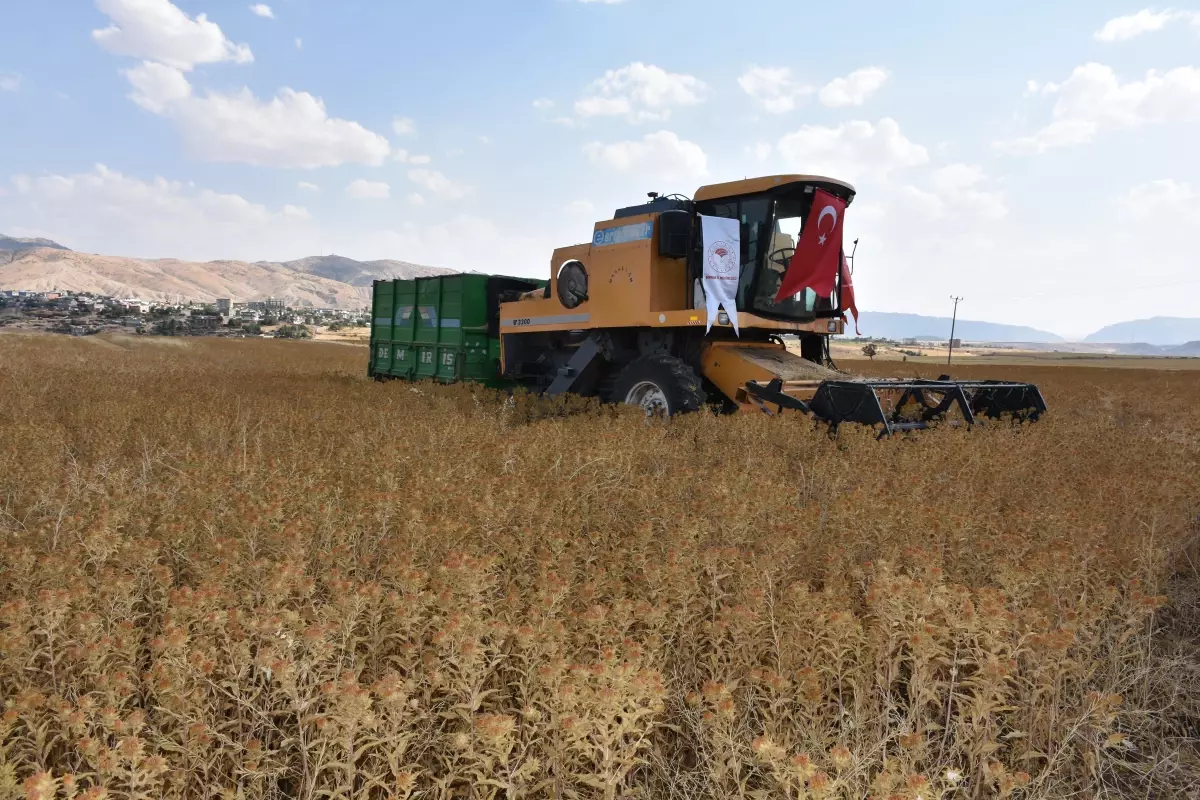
(660, 385)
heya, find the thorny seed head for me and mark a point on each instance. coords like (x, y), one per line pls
(495, 728)
(130, 749)
(40, 786)
(840, 755)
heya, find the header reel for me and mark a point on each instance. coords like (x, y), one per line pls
(907, 404)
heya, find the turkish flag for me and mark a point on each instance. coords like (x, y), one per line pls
(847, 296)
(815, 263)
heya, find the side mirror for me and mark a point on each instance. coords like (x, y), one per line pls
(674, 233)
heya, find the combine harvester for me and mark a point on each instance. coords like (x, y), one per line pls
(674, 304)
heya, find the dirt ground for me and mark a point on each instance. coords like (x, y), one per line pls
(1008, 355)
(345, 335)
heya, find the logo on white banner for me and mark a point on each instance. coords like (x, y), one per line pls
(722, 257)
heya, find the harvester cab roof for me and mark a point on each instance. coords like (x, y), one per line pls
(677, 303)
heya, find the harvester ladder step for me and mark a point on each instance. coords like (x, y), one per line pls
(568, 376)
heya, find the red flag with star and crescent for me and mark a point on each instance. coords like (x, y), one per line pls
(819, 252)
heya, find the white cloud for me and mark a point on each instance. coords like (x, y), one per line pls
(299, 43)
(543, 103)
(368, 190)
(405, 157)
(262, 10)
(160, 31)
(10, 81)
(851, 151)
(661, 155)
(464, 241)
(308, 187)
(761, 151)
(640, 92)
(156, 86)
(854, 89)
(603, 106)
(291, 130)
(485, 140)
(1120, 29)
(437, 183)
(416, 199)
(905, 231)
(961, 187)
(404, 126)
(1160, 200)
(104, 211)
(1093, 99)
(774, 87)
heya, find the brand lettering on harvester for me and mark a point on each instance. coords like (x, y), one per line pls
(555, 319)
(624, 234)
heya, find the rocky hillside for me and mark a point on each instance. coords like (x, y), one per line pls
(12, 247)
(359, 273)
(319, 281)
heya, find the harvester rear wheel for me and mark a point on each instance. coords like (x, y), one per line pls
(659, 384)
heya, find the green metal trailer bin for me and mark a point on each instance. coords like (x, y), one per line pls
(445, 327)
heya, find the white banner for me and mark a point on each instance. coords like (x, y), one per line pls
(721, 267)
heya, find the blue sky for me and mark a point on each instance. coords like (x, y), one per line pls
(1037, 158)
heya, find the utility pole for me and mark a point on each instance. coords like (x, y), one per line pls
(953, 321)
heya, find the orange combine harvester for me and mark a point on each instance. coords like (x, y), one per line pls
(676, 304)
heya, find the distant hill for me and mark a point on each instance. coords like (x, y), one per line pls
(166, 279)
(1156, 330)
(359, 273)
(11, 247)
(889, 325)
(1186, 349)
(314, 282)
(13, 243)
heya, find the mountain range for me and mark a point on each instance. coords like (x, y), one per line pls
(889, 325)
(317, 281)
(333, 281)
(10, 246)
(1156, 330)
(1157, 336)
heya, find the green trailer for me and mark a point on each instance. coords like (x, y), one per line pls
(445, 327)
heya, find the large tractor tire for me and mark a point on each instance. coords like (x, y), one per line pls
(659, 384)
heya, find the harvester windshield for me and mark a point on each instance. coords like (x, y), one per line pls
(786, 222)
(771, 226)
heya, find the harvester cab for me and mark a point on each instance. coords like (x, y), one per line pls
(676, 303)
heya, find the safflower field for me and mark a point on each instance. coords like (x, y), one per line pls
(240, 569)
